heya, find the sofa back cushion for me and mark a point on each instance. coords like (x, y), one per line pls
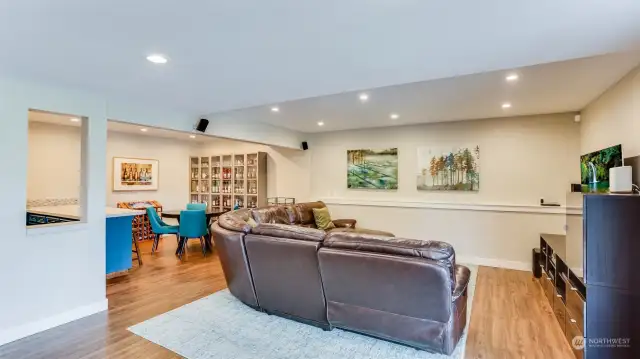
(305, 212)
(294, 215)
(236, 221)
(289, 231)
(272, 214)
(441, 252)
(384, 288)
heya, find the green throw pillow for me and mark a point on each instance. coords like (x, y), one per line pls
(323, 218)
(252, 222)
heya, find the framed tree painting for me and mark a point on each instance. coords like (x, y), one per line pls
(455, 169)
(135, 174)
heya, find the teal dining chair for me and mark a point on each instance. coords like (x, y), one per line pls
(197, 206)
(159, 227)
(193, 224)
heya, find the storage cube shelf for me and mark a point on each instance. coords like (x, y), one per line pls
(222, 181)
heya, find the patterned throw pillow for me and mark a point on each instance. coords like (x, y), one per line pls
(323, 218)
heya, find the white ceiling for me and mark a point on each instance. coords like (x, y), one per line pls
(550, 88)
(120, 127)
(235, 54)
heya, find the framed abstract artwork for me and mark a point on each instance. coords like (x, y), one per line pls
(135, 174)
(372, 169)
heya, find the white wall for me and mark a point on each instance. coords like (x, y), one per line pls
(287, 169)
(614, 118)
(523, 159)
(62, 274)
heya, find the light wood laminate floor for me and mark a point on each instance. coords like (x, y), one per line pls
(511, 318)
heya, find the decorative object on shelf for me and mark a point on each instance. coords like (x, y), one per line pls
(372, 169)
(135, 174)
(620, 179)
(141, 226)
(457, 169)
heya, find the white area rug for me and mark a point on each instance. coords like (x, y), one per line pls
(219, 326)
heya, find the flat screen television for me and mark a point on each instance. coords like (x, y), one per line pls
(594, 168)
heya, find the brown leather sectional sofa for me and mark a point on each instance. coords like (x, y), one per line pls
(402, 290)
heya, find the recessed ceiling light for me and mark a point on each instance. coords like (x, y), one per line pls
(363, 97)
(74, 119)
(144, 130)
(192, 136)
(394, 116)
(157, 59)
(512, 77)
(320, 123)
(506, 105)
(275, 109)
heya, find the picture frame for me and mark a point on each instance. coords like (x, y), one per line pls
(135, 174)
(372, 169)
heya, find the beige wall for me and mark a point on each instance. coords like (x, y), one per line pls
(287, 169)
(173, 156)
(54, 161)
(614, 118)
(523, 159)
(54, 164)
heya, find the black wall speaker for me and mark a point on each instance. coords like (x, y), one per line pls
(535, 259)
(305, 145)
(202, 125)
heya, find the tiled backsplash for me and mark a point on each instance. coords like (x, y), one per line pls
(51, 202)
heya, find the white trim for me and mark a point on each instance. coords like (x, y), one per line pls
(54, 228)
(492, 262)
(493, 207)
(25, 330)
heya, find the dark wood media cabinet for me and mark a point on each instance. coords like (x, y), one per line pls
(564, 290)
(610, 323)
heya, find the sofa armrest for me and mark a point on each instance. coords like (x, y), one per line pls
(345, 223)
(462, 275)
(235, 221)
(289, 231)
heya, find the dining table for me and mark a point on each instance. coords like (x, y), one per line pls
(211, 216)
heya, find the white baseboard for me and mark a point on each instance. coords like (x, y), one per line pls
(25, 330)
(492, 262)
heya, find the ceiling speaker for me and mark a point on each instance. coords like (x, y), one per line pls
(202, 125)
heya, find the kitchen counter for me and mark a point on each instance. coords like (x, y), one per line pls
(118, 230)
(73, 211)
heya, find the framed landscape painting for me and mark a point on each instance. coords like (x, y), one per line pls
(456, 169)
(135, 174)
(372, 169)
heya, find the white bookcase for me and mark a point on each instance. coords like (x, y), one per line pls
(221, 181)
